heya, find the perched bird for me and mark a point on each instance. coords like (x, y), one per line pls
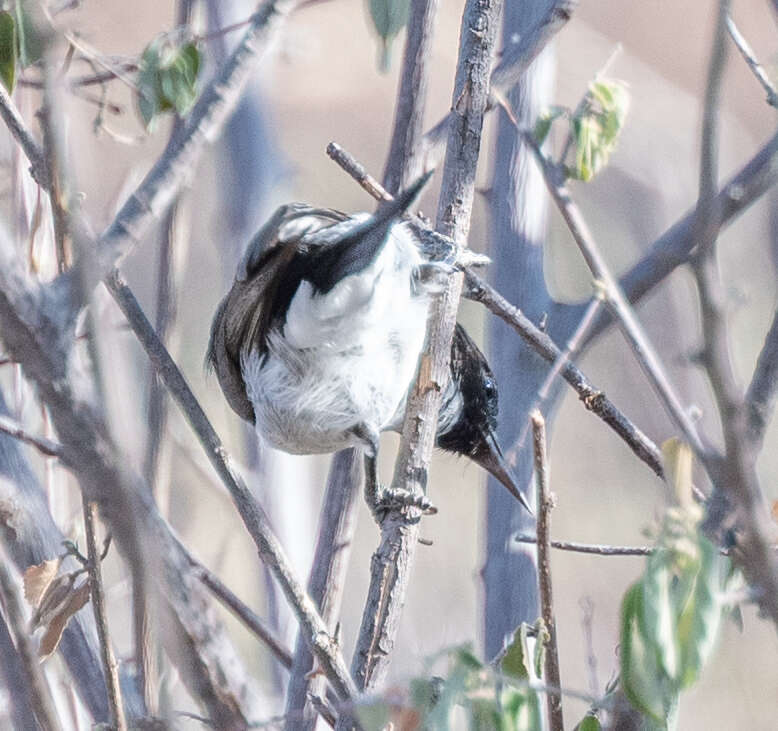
(317, 342)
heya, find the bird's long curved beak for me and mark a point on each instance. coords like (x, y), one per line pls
(490, 457)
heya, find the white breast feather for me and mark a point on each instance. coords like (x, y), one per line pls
(343, 355)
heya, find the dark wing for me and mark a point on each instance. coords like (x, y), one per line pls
(246, 313)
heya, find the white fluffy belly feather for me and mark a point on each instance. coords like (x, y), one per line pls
(344, 359)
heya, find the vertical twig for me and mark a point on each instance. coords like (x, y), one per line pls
(403, 164)
(390, 569)
(97, 593)
(146, 659)
(325, 584)
(545, 503)
(45, 710)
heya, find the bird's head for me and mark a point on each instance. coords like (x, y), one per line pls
(473, 405)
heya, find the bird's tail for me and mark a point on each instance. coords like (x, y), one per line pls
(359, 248)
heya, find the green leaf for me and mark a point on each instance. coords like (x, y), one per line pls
(589, 723)
(466, 658)
(657, 620)
(642, 678)
(484, 716)
(167, 79)
(8, 51)
(541, 642)
(596, 127)
(389, 18)
(30, 37)
(373, 716)
(700, 617)
(586, 135)
(544, 122)
(515, 660)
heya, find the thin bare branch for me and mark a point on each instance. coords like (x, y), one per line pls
(21, 134)
(404, 162)
(337, 524)
(763, 390)
(45, 446)
(43, 704)
(570, 351)
(243, 612)
(646, 354)
(602, 549)
(750, 58)
(593, 399)
(598, 549)
(97, 593)
(545, 503)
(254, 517)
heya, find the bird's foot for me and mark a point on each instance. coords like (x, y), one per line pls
(389, 499)
(381, 500)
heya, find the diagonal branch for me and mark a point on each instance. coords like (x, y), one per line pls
(176, 166)
(763, 390)
(753, 64)
(47, 447)
(672, 249)
(647, 357)
(254, 517)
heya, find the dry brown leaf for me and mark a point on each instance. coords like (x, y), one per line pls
(37, 578)
(75, 599)
(56, 593)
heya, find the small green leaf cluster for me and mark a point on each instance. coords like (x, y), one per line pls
(389, 18)
(670, 617)
(594, 127)
(21, 45)
(167, 79)
(496, 697)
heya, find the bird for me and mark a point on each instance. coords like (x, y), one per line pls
(318, 340)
